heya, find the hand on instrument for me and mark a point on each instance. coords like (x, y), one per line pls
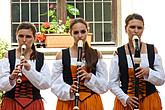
(83, 74)
(25, 64)
(74, 87)
(142, 72)
(15, 72)
(132, 102)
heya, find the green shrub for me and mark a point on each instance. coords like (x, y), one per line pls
(3, 49)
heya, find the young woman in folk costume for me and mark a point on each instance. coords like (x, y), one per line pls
(92, 73)
(24, 94)
(134, 86)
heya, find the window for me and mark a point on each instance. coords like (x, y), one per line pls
(98, 13)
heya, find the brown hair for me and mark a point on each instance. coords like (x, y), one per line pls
(133, 16)
(91, 55)
(78, 20)
(27, 25)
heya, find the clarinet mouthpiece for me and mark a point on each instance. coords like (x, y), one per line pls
(80, 43)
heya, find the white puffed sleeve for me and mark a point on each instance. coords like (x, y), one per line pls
(99, 82)
(156, 76)
(114, 81)
(42, 79)
(5, 84)
(59, 87)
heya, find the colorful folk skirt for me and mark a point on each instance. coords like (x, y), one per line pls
(23, 104)
(151, 102)
(91, 103)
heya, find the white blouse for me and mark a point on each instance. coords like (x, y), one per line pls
(155, 77)
(98, 83)
(41, 80)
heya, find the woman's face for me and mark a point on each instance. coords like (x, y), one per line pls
(79, 32)
(25, 36)
(134, 27)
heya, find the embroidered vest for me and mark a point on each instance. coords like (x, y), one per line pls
(67, 75)
(25, 89)
(123, 68)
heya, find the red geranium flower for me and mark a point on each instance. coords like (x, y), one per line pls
(46, 25)
(40, 36)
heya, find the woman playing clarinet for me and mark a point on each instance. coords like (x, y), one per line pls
(136, 68)
(24, 73)
(79, 70)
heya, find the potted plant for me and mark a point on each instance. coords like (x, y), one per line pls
(55, 31)
(57, 26)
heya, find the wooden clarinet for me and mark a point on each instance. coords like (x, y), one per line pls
(23, 48)
(79, 64)
(137, 61)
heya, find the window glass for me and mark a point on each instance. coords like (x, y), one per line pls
(15, 0)
(107, 11)
(89, 11)
(91, 29)
(97, 12)
(34, 12)
(34, 0)
(43, 12)
(14, 26)
(107, 32)
(24, 0)
(25, 12)
(80, 6)
(43, 0)
(15, 11)
(98, 32)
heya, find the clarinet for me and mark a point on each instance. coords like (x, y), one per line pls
(136, 65)
(19, 80)
(79, 64)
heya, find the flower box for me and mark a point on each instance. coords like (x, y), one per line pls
(62, 40)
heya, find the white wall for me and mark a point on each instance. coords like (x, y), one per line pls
(154, 18)
(5, 20)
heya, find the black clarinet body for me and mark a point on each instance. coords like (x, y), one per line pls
(79, 64)
(137, 55)
(137, 61)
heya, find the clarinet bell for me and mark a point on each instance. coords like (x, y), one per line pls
(19, 80)
(75, 108)
(77, 94)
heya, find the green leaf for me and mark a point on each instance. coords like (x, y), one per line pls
(72, 10)
(3, 48)
(55, 27)
(54, 21)
(51, 13)
(43, 14)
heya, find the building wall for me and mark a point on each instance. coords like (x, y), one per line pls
(151, 10)
(5, 20)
